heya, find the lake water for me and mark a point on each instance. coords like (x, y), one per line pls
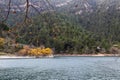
(61, 68)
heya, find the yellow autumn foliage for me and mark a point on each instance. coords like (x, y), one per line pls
(2, 42)
(35, 52)
(47, 51)
(40, 52)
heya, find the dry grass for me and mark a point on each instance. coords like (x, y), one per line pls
(3, 53)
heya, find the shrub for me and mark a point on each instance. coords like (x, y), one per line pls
(47, 51)
(40, 52)
(35, 52)
(24, 51)
(2, 42)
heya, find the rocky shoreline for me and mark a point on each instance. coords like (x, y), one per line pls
(12, 56)
(99, 55)
(71, 55)
(22, 57)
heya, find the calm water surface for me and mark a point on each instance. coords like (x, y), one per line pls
(61, 68)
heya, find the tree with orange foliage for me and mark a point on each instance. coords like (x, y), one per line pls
(24, 51)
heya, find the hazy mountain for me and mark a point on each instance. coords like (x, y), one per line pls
(74, 6)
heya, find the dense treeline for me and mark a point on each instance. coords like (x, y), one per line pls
(61, 32)
(68, 33)
(105, 23)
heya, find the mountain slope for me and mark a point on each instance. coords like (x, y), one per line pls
(77, 25)
(58, 31)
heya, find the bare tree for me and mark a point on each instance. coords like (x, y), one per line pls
(27, 7)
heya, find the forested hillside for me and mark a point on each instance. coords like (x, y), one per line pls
(69, 27)
(103, 23)
(58, 31)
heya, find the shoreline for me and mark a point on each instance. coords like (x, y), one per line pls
(16, 57)
(90, 55)
(58, 55)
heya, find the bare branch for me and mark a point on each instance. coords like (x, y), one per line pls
(27, 8)
(50, 4)
(9, 7)
(35, 9)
